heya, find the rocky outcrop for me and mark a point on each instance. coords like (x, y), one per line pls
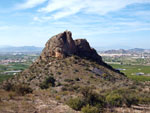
(62, 45)
(84, 50)
(59, 46)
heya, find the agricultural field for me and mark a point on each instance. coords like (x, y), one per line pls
(12, 64)
(135, 72)
(134, 68)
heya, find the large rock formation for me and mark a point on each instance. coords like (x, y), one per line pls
(59, 46)
(58, 56)
(62, 45)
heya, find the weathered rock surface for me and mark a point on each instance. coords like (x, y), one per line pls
(59, 46)
(62, 45)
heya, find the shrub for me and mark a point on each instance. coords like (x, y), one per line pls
(122, 96)
(68, 80)
(144, 100)
(114, 99)
(92, 98)
(90, 109)
(22, 89)
(86, 91)
(58, 73)
(58, 97)
(11, 95)
(77, 79)
(75, 103)
(50, 81)
(64, 88)
(131, 99)
(8, 87)
(130, 96)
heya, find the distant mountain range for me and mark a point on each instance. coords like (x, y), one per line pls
(20, 49)
(28, 49)
(129, 51)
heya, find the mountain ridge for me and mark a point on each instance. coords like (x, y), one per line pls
(7, 49)
(127, 51)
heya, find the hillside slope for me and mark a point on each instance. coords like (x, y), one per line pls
(71, 72)
(65, 58)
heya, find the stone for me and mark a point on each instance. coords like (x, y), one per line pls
(59, 46)
(63, 45)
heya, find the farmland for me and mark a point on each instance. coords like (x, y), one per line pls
(134, 68)
(11, 64)
(132, 71)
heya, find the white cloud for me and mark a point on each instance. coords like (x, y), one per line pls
(70, 7)
(30, 4)
(63, 8)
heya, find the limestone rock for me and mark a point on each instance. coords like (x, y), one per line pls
(62, 45)
(59, 46)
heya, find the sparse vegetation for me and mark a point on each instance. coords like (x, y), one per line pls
(114, 100)
(50, 81)
(75, 103)
(90, 109)
(20, 89)
(68, 78)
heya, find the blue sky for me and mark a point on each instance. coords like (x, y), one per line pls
(104, 23)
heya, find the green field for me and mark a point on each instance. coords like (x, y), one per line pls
(15, 66)
(4, 77)
(12, 67)
(131, 71)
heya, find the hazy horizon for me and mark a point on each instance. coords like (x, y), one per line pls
(121, 24)
(95, 47)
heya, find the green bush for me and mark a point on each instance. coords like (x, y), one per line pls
(131, 99)
(114, 99)
(92, 98)
(144, 100)
(123, 96)
(50, 81)
(75, 103)
(90, 109)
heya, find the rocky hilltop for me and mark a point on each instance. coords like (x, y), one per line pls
(70, 74)
(53, 59)
(62, 45)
